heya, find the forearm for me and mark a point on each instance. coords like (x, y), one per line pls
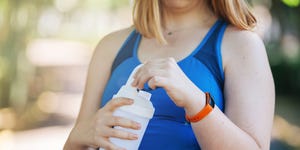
(69, 145)
(72, 147)
(73, 143)
(216, 131)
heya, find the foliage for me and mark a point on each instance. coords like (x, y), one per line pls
(292, 3)
(286, 72)
(19, 23)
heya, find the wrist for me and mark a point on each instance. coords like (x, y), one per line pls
(209, 106)
(196, 102)
(71, 145)
(73, 142)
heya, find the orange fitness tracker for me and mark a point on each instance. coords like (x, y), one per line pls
(209, 105)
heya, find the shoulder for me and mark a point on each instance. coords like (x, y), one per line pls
(111, 43)
(107, 49)
(242, 46)
(117, 36)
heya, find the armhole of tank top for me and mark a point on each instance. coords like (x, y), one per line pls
(219, 48)
(129, 37)
(126, 41)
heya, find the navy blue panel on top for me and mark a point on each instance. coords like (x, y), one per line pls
(203, 67)
(210, 55)
(126, 51)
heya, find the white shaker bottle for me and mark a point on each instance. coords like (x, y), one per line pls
(140, 111)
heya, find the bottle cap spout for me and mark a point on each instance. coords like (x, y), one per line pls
(142, 94)
(142, 103)
(130, 78)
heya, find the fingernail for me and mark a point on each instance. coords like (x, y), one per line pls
(138, 126)
(133, 83)
(131, 101)
(140, 87)
(134, 136)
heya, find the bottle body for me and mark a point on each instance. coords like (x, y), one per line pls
(140, 111)
(130, 144)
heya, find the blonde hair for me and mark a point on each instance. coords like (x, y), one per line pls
(147, 16)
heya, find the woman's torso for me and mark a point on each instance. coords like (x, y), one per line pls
(168, 129)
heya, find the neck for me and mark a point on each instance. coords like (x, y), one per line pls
(181, 18)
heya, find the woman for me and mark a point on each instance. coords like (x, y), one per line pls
(189, 48)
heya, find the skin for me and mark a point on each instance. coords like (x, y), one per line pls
(248, 90)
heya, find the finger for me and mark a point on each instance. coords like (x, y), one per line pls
(140, 73)
(170, 60)
(137, 76)
(142, 79)
(146, 75)
(137, 71)
(116, 133)
(123, 122)
(141, 70)
(118, 102)
(157, 81)
(135, 81)
(150, 67)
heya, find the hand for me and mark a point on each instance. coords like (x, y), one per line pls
(167, 74)
(95, 132)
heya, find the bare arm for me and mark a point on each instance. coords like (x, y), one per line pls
(249, 94)
(249, 98)
(99, 72)
(84, 133)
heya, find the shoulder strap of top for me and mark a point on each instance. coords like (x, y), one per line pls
(126, 51)
(210, 54)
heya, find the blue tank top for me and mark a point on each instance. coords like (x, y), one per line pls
(168, 129)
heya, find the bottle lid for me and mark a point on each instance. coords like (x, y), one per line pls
(144, 95)
(128, 92)
(142, 105)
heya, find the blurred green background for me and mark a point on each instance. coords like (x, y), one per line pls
(46, 45)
